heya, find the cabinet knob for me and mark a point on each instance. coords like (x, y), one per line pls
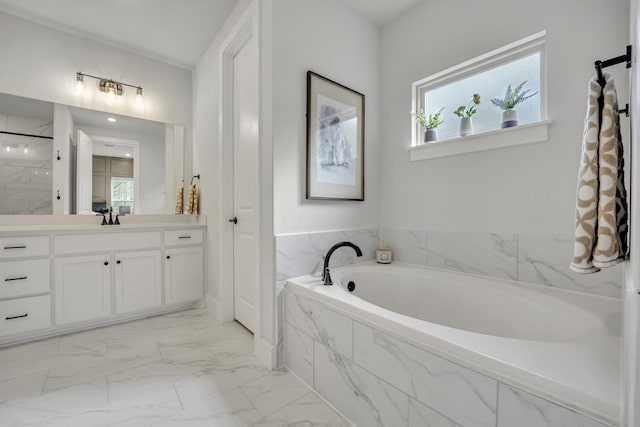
(118, 262)
(106, 263)
(168, 257)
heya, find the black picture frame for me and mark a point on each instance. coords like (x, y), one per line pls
(335, 140)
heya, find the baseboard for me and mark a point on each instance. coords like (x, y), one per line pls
(265, 352)
(213, 307)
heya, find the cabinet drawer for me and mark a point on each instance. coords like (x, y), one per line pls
(105, 242)
(20, 247)
(25, 314)
(26, 277)
(183, 237)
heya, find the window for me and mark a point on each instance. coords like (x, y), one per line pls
(122, 195)
(489, 75)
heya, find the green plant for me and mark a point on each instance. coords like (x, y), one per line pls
(513, 97)
(431, 121)
(469, 110)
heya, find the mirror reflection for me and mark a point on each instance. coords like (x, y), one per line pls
(56, 159)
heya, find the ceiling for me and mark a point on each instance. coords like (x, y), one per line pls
(381, 11)
(166, 30)
(176, 32)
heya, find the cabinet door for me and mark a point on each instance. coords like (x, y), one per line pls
(183, 274)
(83, 288)
(138, 281)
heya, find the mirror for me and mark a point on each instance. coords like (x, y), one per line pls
(56, 159)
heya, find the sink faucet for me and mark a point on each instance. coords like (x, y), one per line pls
(326, 274)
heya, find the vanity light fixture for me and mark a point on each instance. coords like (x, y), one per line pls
(109, 86)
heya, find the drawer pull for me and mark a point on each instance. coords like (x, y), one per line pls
(184, 237)
(15, 247)
(13, 279)
(16, 317)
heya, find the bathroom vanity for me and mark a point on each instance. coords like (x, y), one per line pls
(59, 279)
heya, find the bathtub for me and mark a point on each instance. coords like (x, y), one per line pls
(557, 345)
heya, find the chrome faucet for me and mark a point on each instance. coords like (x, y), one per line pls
(326, 274)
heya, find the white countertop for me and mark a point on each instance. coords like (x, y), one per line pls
(81, 223)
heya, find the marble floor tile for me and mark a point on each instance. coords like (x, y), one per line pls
(274, 391)
(231, 409)
(308, 411)
(181, 369)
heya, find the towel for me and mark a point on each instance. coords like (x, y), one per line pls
(192, 200)
(180, 202)
(601, 205)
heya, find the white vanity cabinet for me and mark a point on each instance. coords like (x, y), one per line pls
(83, 283)
(138, 281)
(82, 288)
(68, 279)
(183, 265)
(25, 284)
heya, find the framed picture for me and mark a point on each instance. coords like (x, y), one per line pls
(335, 140)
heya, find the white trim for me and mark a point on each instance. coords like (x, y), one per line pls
(212, 306)
(265, 352)
(500, 138)
(497, 57)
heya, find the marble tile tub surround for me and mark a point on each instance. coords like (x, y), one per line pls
(25, 167)
(301, 254)
(542, 260)
(181, 369)
(376, 379)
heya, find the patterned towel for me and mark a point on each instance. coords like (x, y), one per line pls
(601, 205)
(192, 200)
(180, 202)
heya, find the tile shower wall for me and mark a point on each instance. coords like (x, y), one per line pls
(25, 167)
(376, 379)
(543, 260)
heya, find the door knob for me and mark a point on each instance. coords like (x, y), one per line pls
(234, 220)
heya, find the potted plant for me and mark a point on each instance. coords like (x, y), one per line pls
(430, 124)
(465, 112)
(510, 100)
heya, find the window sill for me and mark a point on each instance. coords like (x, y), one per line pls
(499, 138)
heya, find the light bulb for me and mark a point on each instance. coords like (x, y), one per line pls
(26, 150)
(79, 83)
(8, 149)
(139, 100)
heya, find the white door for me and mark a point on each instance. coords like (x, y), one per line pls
(138, 282)
(84, 174)
(82, 288)
(183, 273)
(246, 185)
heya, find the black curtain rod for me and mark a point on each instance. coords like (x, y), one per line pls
(26, 134)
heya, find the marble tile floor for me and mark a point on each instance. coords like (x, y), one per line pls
(180, 369)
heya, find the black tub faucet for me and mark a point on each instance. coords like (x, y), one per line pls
(326, 274)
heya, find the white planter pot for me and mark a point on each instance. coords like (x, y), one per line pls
(509, 118)
(430, 135)
(466, 126)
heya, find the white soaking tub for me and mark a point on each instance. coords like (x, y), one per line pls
(560, 345)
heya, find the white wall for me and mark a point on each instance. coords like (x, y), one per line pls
(330, 39)
(39, 62)
(631, 373)
(526, 189)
